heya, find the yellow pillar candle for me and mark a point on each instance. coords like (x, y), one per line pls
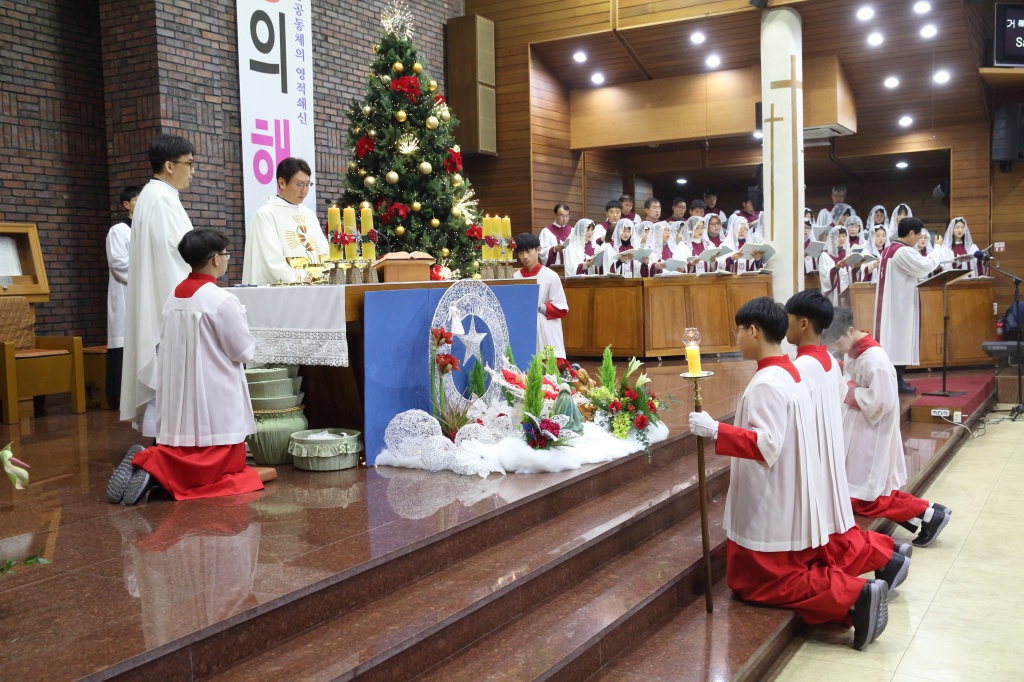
(369, 251)
(351, 250)
(506, 233)
(350, 219)
(366, 220)
(487, 231)
(693, 360)
(333, 218)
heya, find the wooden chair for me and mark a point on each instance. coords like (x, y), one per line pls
(36, 366)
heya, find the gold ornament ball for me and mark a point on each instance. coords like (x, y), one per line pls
(417, 68)
(367, 110)
(433, 85)
(446, 116)
(391, 177)
(456, 211)
(416, 206)
(456, 180)
(362, 172)
(476, 264)
(386, 80)
(371, 133)
(398, 68)
(445, 253)
(399, 231)
(432, 123)
(426, 168)
(476, 275)
(357, 130)
(369, 182)
(365, 204)
(376, 48)
(353, 166)
(434, 222)
(400, 116)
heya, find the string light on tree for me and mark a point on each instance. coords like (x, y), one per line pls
(407, 144)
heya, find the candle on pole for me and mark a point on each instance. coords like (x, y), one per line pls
(691, 339)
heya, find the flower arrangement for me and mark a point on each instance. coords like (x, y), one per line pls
(451, 417)
(626, 409)
(16, 471)
(541, 432)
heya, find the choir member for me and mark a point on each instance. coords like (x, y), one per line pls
(739, 234)
(925, 249)
(840, 214)
(775, 517)
(624, 238)
(663, 245)
(551, 303)
(878, 244)
(202, 399)
(897, 308)
(875, 467)
(627, 207)
(678, 210)
(854, 228)
(711, 205)
(854, 550)
(713, 228)
(652, 210)
(118, 246)
(808, 215)
(747, 213)
(899, 213)
(695, 246)
(959, 249)
(154, 268)
(877, 216)
(832, 270)
(554, 236)
(581, 249)
(810, 264)
(284, 228)
(838, 197)
(612, 215)
(697, 208)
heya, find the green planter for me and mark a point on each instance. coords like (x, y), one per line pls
(274, 428)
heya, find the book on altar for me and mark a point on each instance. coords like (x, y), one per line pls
(404, 255)
(814, 250)
(638, 254)
(857, 259)
(709, 255)
(749, 249)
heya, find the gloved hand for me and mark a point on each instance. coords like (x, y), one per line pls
(701, 424)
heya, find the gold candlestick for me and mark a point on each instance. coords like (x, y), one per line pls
(703, 485)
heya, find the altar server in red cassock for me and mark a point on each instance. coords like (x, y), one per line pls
(775, 513)
(551, 304)
(202, 399)
(854, 550)
(871, 430)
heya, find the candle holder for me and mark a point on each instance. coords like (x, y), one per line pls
(372, 272)
(359, 271)
(694, 373)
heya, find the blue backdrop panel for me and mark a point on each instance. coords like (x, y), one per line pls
(396, 333)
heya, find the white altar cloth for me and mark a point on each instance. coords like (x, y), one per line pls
(297, 325)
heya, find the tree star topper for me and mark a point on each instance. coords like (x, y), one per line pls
(397, 18)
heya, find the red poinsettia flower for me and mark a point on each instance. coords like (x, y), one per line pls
(400, 210)
(446, 362)
(615, 407)
(364, 146)
(631, 394)
(651, 407)
(475, 232)
(380, 204)
(453, 164)
(435, 272)
(641, 422)
(440, 334)
(491, 241)
(409, 85)
(341, 238)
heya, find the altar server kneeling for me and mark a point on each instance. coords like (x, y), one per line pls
(202, 400)
(875, 468)
(775, 514)
(551, 304)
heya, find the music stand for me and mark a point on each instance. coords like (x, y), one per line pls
(944, 278)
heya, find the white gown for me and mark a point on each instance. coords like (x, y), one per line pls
(897, 306)
(874, 446)
(202, 398)
(549, 332)
(154, 268)
(118, 242)
(776, 505)
(281, 230)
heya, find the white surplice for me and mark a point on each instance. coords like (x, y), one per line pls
(202, 398)
(281, 230)
(549, 332)
(874, 446)
(897, 306)
(776, 505)
(827, 389)
(154, 268)
(118, 242)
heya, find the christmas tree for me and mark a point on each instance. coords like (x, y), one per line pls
(405, 163)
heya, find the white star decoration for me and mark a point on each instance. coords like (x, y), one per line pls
(472, 340)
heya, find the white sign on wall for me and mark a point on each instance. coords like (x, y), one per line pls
(275, 84)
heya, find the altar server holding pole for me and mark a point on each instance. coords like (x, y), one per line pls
(551, 304)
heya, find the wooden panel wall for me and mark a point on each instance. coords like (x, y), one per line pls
(1008, 227)
(604, 175)
(557, 176)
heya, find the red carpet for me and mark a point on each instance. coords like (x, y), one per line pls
(977, 390)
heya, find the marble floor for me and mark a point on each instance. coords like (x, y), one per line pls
(957, 617)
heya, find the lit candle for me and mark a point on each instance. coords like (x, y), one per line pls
(506, 233)
(693, 360)
(351, 250)
(487, 231)
(333, 218)
(350, 219)
(366, 220)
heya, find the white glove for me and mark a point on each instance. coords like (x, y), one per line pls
(701, 424)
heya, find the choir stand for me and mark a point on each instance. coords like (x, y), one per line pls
(944, 277)
(1017, 409)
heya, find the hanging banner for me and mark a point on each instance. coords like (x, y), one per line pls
(275, 85)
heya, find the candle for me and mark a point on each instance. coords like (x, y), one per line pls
(350, 219)
(333, 218)
(693, 360)
(506, 233)
(487, 231)
(366, 220)
(369, 251)
(351, 250)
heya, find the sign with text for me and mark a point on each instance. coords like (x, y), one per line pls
(275, 84)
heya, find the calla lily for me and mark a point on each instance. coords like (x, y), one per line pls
(14, 468)
(633, 366)
(641, 380)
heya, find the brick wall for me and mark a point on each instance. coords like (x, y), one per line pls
(165, 66)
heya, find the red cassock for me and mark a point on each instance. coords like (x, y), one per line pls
(897, 506)
(192, 473)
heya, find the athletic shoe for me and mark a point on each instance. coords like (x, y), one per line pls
(930, 529)
(946, 510)
(122, 474)
(870, 613)
(905, 548)
(895, 570)
(138, 486)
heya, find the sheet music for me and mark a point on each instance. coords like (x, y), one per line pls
(10, 264)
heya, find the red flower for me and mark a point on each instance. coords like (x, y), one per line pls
(364, 146)
(491, 241)
(641, 422)
(440, 334)
(475, 232)
(410, 85)
(446, 362)
(631, 394)
(615, 406)
(540, 442)
(373, 235)
(381, 203)
(651, 407)
(479, 421)
(439, 99)
(341, 238)
(401, 210)
(453, 164)
(631, 407)
(550, 426)
(563, 364)
(435, 272)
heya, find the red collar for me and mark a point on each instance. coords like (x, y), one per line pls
(819, 353)
(191, 284)
(782, 361)
(858, 348)
(531, 273)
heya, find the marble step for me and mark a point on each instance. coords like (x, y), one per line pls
(419, 625)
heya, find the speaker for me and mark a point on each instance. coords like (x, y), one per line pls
(471, 78)
(1007, 136)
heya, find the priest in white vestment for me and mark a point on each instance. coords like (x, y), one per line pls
(284, 228)
(154, 269)
(551, 303)
(119, 239)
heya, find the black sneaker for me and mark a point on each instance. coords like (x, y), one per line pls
(140, 483)
(122, 474)
(946, 510)
(895, 570)
(930, 529)
(905, 548)
(870, 613)
(905, 387)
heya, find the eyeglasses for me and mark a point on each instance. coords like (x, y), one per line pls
(225, 254)
(736, 332)
(304, 185)
(192, 164)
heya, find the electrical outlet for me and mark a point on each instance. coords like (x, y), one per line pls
(940, 412)
(958, 417)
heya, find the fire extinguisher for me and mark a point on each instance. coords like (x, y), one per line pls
(1000, 330)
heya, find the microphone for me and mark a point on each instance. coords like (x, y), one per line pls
(983, 255)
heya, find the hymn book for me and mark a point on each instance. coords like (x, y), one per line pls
(749, 249)
(857, 259)
(814, 250)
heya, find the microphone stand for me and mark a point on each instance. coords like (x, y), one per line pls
(1017, 409)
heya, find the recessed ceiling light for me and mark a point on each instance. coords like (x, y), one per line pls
(929, 31)
(941, 77)
(681, 181)
(906, 121)
(713, 61)
(875, 39)
(922, 7)
(580, 56)
(758, 134)
(891, 82)
(697, 38)
(902, 164)
(865, 13)
(597, 79)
